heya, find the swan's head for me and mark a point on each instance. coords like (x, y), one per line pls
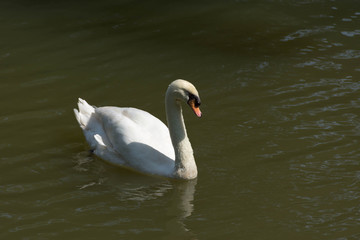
(184, 91)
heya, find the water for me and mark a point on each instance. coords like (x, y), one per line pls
(276, 148)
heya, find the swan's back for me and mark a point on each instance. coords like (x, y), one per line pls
(128, 137)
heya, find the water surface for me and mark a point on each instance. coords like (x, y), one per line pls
(276, 148)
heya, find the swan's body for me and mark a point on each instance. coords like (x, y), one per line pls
(135, 139)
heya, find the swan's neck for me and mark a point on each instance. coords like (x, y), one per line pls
(185, 166)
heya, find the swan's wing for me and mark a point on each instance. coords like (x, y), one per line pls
(124, 126)
(139, 138)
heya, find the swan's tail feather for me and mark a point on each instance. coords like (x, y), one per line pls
(95, 134)
(84, 113)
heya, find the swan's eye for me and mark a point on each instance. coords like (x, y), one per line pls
(194, 103)
(194, 98)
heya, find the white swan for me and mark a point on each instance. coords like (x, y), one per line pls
(135, 139)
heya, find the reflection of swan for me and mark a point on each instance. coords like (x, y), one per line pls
(185, 194)
(135, 139)
(181, 209)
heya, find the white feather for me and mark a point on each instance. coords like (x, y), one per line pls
(135, 139)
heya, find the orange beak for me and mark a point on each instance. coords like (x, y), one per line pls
(194, 108)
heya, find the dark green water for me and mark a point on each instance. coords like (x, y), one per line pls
(277, 147)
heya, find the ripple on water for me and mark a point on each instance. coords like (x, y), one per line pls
(325, 169)
(306, 33)
(348, 54)
(36, 225)
(321, 64)
(351, 33)
(324, 92)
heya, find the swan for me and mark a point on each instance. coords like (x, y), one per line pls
(135, 139)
